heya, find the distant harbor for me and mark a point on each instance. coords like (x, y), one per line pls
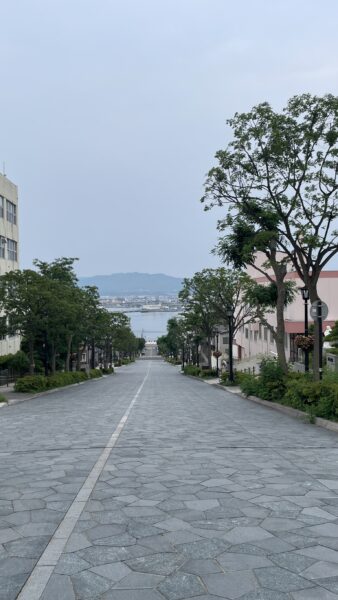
(148, 315)
(148, 324)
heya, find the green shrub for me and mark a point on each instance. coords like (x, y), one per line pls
(317, 397)
(174, 361)
(192, 370)
(208, 373)
(3, 398)
(40, 383)
(94, 373)
(67, 378)
(250, 385)
(19, 362)
(31, 383)
(239, 376)
(272, 380)
(108, 371)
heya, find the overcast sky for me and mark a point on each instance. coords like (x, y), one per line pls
(111, 112)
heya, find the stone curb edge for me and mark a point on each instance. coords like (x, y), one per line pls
(287, 410)
(47, 392)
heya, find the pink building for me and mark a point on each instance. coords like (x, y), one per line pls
(255, 339)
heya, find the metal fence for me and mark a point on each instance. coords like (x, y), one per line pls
(7, 376)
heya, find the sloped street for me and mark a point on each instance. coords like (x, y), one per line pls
(148, 485)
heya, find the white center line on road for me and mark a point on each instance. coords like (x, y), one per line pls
(39, 577)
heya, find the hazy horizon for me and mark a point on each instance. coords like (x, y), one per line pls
(111, 114)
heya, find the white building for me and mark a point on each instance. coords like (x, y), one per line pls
(9, 245)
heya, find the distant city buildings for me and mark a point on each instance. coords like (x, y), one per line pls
(9, 246)
(142, 303)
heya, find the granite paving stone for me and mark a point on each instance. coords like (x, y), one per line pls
(181, 585)
(205, 495)
(282, 580)
(230, 585)
(59, 587)
(314, 594)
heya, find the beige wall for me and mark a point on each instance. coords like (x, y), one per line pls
(8, 230)
(253, 345)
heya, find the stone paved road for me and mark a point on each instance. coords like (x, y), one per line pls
(205, 496)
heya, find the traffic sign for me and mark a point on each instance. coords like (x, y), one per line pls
(315, 310)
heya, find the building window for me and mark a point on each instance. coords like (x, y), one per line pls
(265, 334)
(246, 333)
(260, 331)
(2, 205)
(272, 339)
(11, 212)
(226, 340)
(255, 335)
(2, 247)
(12, 250)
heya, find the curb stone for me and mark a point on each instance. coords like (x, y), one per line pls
(287, 410)
(47, 392)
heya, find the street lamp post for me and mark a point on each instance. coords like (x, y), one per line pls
(305, 295)
(217, 357)
(230, 314)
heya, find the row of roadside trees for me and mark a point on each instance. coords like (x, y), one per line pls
(58, 320)
(277, 185)
(207, 298)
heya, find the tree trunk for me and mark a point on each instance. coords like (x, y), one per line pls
(53, 358)
(78, 358)
(318, 334)
(280, 328)
(209, 352)
(31, 357)
(105, 356)
(92, 358)
(69, 349)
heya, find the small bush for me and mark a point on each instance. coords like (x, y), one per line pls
(239, 376)
(40, 383)
(250, 385)
(108, 371)
(31, 383)
(272, 380)
(19, 362)
(67, 378)
(208, 373)
(3, 398)
(192, 370)
(319, 397)
(94, 373)
(174, 361)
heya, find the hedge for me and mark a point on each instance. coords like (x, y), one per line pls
(318, 398)
(198, 372)
(40, 383)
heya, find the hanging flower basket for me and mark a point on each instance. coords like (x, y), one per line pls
(305, 342)
(217, 354)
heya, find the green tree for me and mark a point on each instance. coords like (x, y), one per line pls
(208, 296)
(246, 235)
(286, 164)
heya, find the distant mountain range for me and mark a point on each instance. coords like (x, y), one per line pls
(134, 284)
